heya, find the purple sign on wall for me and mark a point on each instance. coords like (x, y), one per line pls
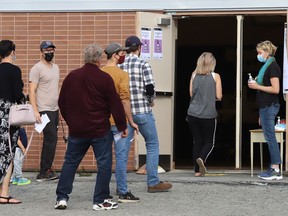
(158, 46)
(145, 47)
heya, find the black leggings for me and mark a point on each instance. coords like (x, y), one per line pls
(203, 132)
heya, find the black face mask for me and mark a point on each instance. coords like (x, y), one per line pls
(49, 56)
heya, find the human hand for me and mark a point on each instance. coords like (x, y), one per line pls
(38, 117)
(253, 85)
(135, 127)
(124, 133)
(61, 118)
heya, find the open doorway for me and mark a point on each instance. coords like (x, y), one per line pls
(218, 35)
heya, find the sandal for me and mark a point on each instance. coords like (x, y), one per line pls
(8, 200)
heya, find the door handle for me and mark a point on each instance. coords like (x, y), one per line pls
(164, 93)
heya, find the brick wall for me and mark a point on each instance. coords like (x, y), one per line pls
(71, 33)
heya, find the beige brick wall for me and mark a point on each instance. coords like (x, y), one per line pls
(71, 33)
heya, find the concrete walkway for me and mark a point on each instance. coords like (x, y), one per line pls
(219, 193)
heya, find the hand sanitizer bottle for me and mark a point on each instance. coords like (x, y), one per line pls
(278, 120)
(250, 78)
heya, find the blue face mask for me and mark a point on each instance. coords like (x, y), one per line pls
(261, 58)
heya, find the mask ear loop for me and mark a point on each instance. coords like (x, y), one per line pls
(64, 134)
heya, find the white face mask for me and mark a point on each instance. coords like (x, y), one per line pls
(13, 56)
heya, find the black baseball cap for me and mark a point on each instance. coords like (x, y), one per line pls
(133, 41)
(46, 44)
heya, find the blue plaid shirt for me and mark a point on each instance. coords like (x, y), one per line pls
(140, 74)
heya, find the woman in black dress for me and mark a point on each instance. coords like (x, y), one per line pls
(11, 87)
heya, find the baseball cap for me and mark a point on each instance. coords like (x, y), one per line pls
(46, 44)
(114, 48)
(133, 41)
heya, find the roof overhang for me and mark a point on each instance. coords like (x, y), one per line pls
(167, 6)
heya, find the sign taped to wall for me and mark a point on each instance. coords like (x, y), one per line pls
(285, 62)
(158, 49)
(146, 41)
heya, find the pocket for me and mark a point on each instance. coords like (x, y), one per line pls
(275, 108)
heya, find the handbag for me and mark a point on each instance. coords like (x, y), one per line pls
(21, 114)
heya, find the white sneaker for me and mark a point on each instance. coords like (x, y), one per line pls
(61, 204)
(106, 205)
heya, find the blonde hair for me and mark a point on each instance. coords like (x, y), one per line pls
(267, 46)
(205, 64)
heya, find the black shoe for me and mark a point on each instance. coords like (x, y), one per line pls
(49, 175)
(110, 197)
(128, 198)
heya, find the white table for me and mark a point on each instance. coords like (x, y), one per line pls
(257, 136)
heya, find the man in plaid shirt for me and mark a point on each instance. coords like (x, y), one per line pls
(142, 100)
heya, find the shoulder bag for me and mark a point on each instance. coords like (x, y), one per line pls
(21, 114)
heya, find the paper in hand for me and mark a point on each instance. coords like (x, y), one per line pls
(45, 120)
(117, 136)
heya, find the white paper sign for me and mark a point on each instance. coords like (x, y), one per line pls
(285, 63)
(146, 41)
(158, 49)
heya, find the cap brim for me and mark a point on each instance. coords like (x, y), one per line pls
(51, 46)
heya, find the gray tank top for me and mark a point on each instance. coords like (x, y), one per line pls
(204, 102)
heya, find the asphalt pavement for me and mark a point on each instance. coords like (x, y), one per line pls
(220, 193)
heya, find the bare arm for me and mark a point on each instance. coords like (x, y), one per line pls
(273, 89)
(190, 85)
(219, 94)
(32, 98)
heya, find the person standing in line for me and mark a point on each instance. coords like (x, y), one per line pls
(17, 178)
(204, 89)
(87, 99)
(116, 55)
(43, 96)
(11, 87)
(268, 88)
(142, 100)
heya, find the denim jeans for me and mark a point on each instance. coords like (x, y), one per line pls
(122, 148)
(18, 163)
(76, 150)
(147, 127)
(50, 138)
(267, 119)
